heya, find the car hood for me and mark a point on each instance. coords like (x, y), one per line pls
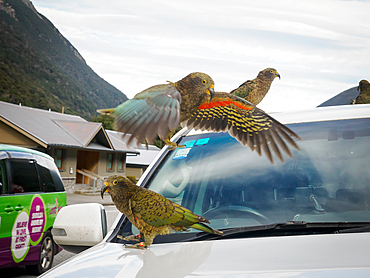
(335, 255)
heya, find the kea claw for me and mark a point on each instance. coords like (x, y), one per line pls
(140, 245)
(173, 146)
(177, 146)
(130, 238)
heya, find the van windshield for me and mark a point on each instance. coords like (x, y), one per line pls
(328, 180)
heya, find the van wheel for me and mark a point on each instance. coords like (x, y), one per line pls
(46, 256)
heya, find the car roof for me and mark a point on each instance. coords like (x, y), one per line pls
(328, 113)
(10, 148)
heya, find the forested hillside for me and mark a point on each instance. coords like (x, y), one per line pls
(40, 68)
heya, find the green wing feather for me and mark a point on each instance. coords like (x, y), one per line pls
(244, 89)
(157, 210)
(154, 111)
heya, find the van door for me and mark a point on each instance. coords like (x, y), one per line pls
(7, 216)
(25, 184)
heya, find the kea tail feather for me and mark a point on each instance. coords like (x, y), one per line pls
(205, 228)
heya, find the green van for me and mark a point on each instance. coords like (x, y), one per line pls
(31, 194)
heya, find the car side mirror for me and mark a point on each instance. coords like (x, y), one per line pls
(78, 227)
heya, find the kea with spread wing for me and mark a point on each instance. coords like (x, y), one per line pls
(193, 102)
(160, 109)
(150, 212)
(364, 96)
(255, 90)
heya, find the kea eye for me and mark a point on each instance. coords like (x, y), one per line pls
(115, 182)
(204, 81)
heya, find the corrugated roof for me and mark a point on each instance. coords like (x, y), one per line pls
(145, 156)
(116, 138)
(57, 129)
(80, 131)
(40, 123)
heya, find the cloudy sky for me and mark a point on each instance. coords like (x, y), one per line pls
(319, 47)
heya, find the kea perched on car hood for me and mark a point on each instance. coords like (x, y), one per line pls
(150, 212)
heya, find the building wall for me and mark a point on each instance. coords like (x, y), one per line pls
(70, 176)
(13, 137)
(68, 173)
(103, 165)
(69, 163)
(134, 171)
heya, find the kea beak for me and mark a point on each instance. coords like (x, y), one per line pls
(211, 91)
(277, 75)
(103, 189)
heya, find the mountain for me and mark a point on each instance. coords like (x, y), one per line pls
(40, 68)
(343, 98)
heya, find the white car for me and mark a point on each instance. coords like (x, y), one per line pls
(307, 217)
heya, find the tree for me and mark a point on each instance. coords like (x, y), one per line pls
(106, 120)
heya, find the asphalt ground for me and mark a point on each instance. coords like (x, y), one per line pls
(80, 199)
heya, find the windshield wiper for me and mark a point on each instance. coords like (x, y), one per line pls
(363, 229)
(286, 229)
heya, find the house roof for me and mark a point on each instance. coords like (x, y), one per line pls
(49, 128)
(145, 158)
(116, 139)
(145, 155)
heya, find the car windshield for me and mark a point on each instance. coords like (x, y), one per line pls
(326, 181)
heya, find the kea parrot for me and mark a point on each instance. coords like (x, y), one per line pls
(150, 212)
(364, 96)
(193, 102)
(255, 90)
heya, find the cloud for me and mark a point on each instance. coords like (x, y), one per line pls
(320, 47)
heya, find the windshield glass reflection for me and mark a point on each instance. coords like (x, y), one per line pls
(326, 181)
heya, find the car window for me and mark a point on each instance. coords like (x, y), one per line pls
(49, 175)
(24, 176)
(47, 180)
(326, 181)
(3, 178)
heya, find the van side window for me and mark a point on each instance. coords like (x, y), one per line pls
(47, 180)
(58, 185)
(3, 178)
(25, 176)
